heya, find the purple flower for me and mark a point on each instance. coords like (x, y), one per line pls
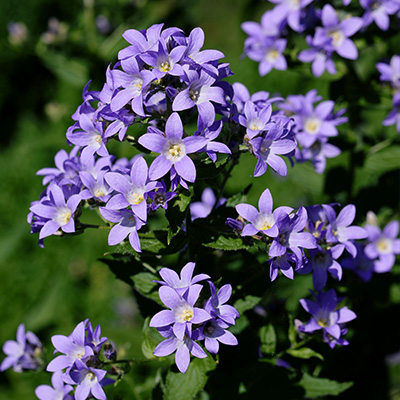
(325, 316)
(292, 11)
(383, 246)
(254, 120)
(161, 197)
(59, 391)
(88, 380)
(361, 264)
(173, 150)
(339, 230)
(378, 11)
(263, 220)
(95, 187)
(201, 209)
(283, 263)
(393, 118)
(291, 235)
(182, 314)
(23, 354)
(186, 279)
(131, 190)
(224, 314)
(93, 338)
(127, 225)
(58, 212)
(338, 32)
(199, 92)
(73, 347)
(183, 348)
(213, 334)
(390, 72)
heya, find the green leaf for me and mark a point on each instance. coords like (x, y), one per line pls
(304, 353)
(292, 332)
(242, 305)
(143, 283)
(225, 242)
(316, 387)
(151, 338)
(186, 386)
(384, 160)
(268, 339)
(238, 197)
(176, 212)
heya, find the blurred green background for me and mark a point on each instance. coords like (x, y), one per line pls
(43, 72)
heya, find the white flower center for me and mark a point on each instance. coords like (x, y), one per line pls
(337, 37)
(312, 125)
(135, 196)
(272, 55)
(62, 216)
(384, 246)
(165, 66)
(264, 222)
(255, 125)
(184, 313)
(174, 150)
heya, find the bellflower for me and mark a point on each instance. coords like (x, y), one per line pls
(95, 187)
(383, 246)
(254, 120)
(200, 93)
(23, 354)
(393, 118)
(361, 264)
(339, 32)
(339, 230)
(263, 220)
(131, 190)
(325, 315)
(182, 313)
(160, 196)
(390, 72)
(292, 11)
(173, 150)
(183, 348)
(283, 263)
(59, 391)
(201, 209)
(73, 347)
(58, 212)
(186, 279)
(378, 11)
(127, 224)
(213, 334)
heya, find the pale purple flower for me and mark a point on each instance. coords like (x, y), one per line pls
(254, 120)
(88, 380)
(173, 150)
(263, 220)
(58, 212)
(182, 314)
(201, 209)
(127, 224)
(59, 391)
(291, 235)
(339, 32)
(390, 72)
(383, 246)
(199, 92)
(224, 314)
(23, 354)
(325, 315)
(73, 347)
(95, 187)
(186, 279)
(283, 263)
(183, 348)
(292, 11)
(131, 189)
(268, 149)
(378, 11)
(340, 231)
(393, 118)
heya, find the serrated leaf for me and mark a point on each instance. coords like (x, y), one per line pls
(316, 387)
(186, 386)
(242, 305)
(143, 283)
(267, 337)
(238, 197)
(229, 243)
(304, 353)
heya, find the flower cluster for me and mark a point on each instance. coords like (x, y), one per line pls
(26, 353)
(391, 73)
(326, 316)
(314, 125)
(329, 34)
(79, 366)
(183, 324)
(378, 252)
